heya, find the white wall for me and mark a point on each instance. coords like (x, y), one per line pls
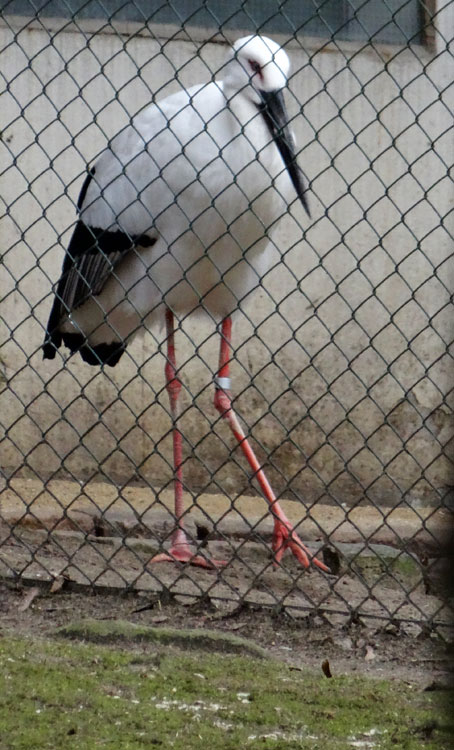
(343, 370)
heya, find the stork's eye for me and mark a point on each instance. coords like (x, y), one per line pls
(255, 67)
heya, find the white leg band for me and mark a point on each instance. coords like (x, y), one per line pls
(222, 384)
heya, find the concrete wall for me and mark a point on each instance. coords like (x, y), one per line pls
(343, 367)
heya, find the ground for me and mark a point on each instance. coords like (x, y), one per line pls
(354, 648)
(387, 564)
(68, 557)
(105, 682)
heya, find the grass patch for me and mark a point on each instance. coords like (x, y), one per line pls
(60, 694)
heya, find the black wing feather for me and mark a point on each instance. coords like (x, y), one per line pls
(90, 259)
(92, 255)
(83, 191)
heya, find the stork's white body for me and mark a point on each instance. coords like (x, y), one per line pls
(198, 173)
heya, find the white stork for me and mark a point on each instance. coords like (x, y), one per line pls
(174, 217)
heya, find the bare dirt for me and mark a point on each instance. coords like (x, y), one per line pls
(355, 648)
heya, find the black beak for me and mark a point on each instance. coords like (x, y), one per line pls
(275, 115)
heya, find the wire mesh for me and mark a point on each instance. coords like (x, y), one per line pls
(341, 361)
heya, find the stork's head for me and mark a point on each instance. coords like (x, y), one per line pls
(256, 64)
(257, 70)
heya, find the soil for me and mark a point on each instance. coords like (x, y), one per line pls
(385, 652)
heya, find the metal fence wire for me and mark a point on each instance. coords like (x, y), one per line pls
(341, 359)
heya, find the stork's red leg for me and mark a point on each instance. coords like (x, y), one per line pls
(180, 550)
(284, 535)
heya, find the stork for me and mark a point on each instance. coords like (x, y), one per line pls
(174, 217)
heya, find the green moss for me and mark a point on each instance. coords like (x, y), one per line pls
(388, 565)
(59, 694)
(110, 631)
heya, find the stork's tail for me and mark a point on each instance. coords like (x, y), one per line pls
(96, 355)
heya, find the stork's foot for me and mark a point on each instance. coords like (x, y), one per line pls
(183, 553)
(285, 537)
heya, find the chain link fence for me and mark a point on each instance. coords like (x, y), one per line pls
(341, 364)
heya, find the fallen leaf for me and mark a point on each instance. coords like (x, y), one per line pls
(331, 558)
(325, 668)
(203, 532)
(370, 653)
(29, 598)
(57, 584)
